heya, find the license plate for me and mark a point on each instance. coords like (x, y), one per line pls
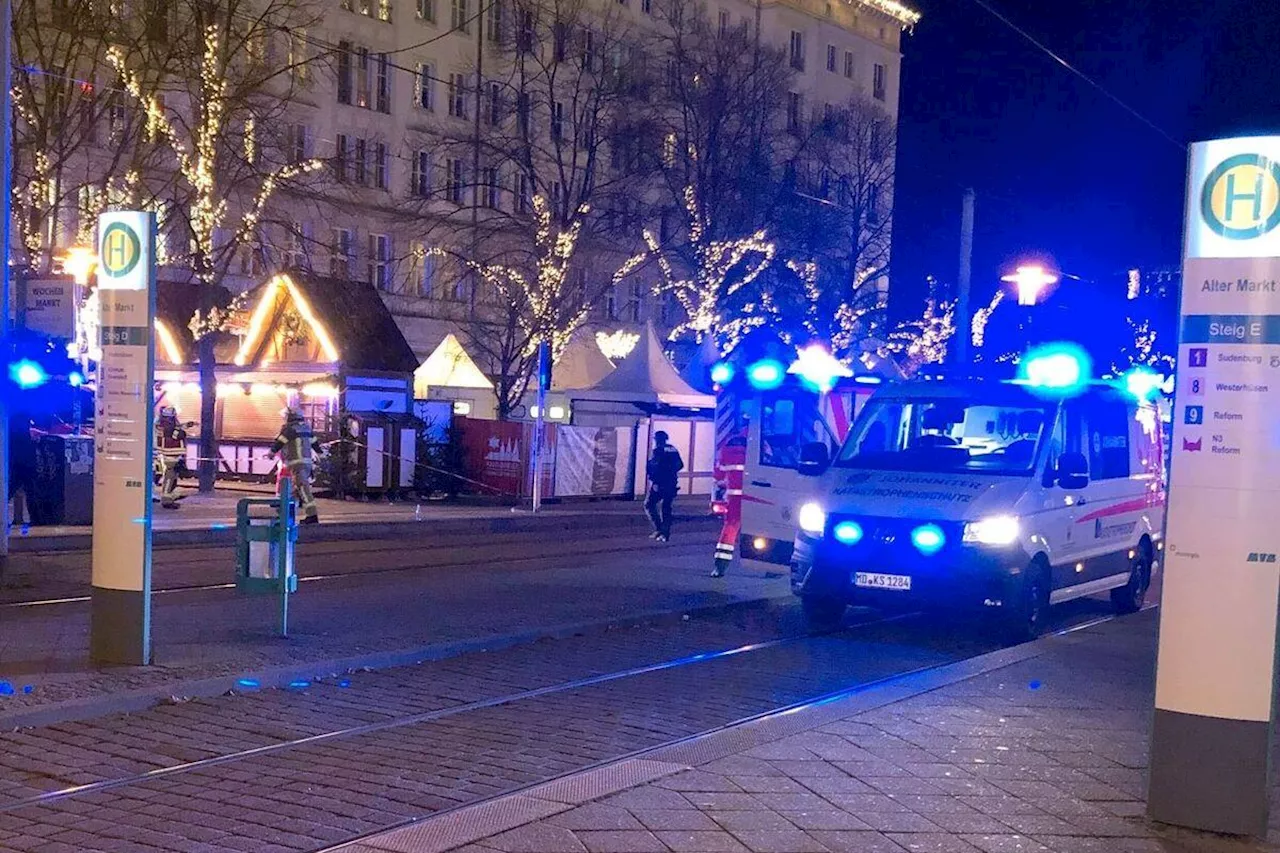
(874, 580)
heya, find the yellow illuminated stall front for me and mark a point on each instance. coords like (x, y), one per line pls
(318, 345)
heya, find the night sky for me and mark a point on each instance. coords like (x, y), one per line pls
(1061, 172)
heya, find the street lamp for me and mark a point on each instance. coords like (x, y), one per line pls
(1030, 281)
(80, 262)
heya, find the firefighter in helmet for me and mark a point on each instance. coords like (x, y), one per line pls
(731, 466)
(171, 453)
(295, 445)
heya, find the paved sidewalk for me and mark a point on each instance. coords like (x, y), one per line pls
(211, 518)
(1037, 748)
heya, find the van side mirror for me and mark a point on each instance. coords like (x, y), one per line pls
(814, 458)
(1072, 471)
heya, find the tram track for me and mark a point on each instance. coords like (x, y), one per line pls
(592, 697)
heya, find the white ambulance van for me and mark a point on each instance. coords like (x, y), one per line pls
(972, 494)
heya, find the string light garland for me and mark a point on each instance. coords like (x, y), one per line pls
(841, 329)
(617, 344)
(923, 341)
(703, 296)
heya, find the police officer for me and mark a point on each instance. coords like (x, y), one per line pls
(171, 451)
(663, 468)
(731, 467)
(294, 445)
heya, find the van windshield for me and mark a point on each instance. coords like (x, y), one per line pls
(933, 434)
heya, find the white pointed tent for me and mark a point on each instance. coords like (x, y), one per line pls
(581, 365)
(645, 377)
(449, 373)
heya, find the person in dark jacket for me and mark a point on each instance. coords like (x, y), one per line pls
(663, 468)
(22, 465)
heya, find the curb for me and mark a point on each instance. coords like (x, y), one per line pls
(224, 533)
(457, 827)
(273, 678)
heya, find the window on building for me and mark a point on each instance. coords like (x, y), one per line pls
(381, 165)
(830, 119)
(527, 34)
(427, 11)
(797, 50)
(636, 306)
(495, 103)
(557, 196)
(880, 82)
(524, 198)
(344, 72)
(379, 268)
(424, 270)
(588, 49)
(831, 58)
(454, 188)
(363, 79)
(458, 95)
(425, 89)
(299, 243)
(299, 55)
(524, 114)
(873, 204)
(489, 187)
(646, 6)
(557, 120)
(252, 260)
(342, 158)
(384, 84)
(360, 163)
(460, 16)
(611, 303)
(420, 174)
(494, 21)
(848, 64)
(724, 22)
(795, 111)
(340, 251)
(560, 41)
(299, 143)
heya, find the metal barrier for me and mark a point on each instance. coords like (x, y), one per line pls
(264, 548)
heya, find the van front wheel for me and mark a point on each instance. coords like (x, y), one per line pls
(1026, 620)
(823, 613)
(1130, 597)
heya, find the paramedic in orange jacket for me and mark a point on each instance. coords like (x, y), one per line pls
(731, 469)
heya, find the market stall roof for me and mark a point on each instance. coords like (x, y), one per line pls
(348, 320)
(581, 365)
(448, 366)
(646, 376)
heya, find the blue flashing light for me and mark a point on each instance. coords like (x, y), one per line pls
(1055, 369)
(248, 683)
(27, 374)
(28, 689)
(722, 373)
(867, 380)
(766, 374)
(819, 368)
(1143, 383)
(6, 689)
(928, 539)
(346, 682)
(848, 532)
(75, 379)
(300, 684)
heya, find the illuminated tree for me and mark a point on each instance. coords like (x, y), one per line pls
(534, 305)
(918, 342)
(719, 269)
(77, 148)
(220, 108)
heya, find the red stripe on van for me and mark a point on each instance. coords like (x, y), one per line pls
(1135, 505)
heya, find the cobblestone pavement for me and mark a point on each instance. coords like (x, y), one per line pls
(1045, 754)
(322, 792)
(522, 589)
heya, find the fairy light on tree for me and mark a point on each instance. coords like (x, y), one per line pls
(981, 317)
(545, 306)
(714, 276)
(923, 341)
(235, 89)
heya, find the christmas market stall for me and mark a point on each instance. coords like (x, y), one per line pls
(325, 347)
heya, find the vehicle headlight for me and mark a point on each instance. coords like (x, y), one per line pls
(997, 530)
(813, 518)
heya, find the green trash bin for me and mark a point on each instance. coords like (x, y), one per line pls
(266, 532)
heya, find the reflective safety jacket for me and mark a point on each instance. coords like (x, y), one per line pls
(171, 438)
(730, 472)
(295, 443)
